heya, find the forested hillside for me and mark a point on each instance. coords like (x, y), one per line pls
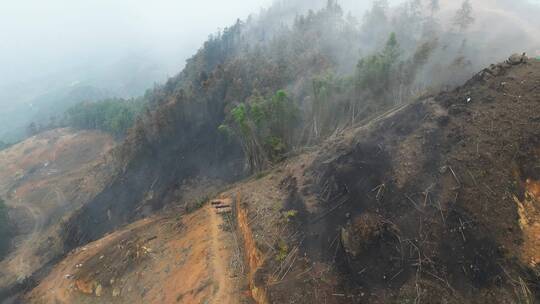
(265, 87)
(334, 70)
(114, 115)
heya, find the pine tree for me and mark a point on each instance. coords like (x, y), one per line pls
(464, 16)
(392, 50)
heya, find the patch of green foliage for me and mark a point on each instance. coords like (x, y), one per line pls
(374, 73)
(282, 251)
(233, 85)
(4, 228)
(264, 126)
(114, 116)
(290, 214)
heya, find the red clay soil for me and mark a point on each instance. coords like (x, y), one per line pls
(43, 179)
(188, 259)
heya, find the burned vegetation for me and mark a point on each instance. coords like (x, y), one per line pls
(434, 202)
(365, 187)
(260, 91)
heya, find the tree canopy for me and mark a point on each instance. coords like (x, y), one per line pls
(264, 127)
(114, 116)
(273, 86)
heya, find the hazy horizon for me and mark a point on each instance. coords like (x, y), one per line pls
(48, 37)
(123, 47)
(42, 38)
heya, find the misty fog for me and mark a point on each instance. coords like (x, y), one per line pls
(277, 151)
(103, 48)
(43, 37)
(121, 47)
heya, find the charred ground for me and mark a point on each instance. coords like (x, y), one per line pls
(417, 205)
(431, 202)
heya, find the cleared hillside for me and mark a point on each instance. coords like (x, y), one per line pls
(431, 202)
(44, 179)
(161, 259)
(377, 207)
(434, 202)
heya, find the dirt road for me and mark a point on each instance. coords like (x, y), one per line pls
(221, 255)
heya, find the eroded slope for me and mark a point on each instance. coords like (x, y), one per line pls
(43, 179)
(434, 202)
(162, 259)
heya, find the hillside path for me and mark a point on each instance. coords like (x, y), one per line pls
(220, 257)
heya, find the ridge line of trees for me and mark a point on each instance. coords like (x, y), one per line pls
(272, 87)
(113, 115)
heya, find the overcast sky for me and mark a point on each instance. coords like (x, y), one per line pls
(40, 37)
(44, 36)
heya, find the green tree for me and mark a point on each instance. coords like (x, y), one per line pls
(464, 16)
(323, 90)
(245, 128)
(376, 22)
(392, 51)
(374, 73)
(114, 116)
(264, 127)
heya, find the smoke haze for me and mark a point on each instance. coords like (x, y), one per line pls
(121, 48)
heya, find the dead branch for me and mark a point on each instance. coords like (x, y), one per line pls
(441, 211)
(474, 179)
(380, 191)
(343, 201)
(289, 269)
(442, 280)
(461, 228)
(426, 193)
(455, 177)
(414, 203)
(490, 190)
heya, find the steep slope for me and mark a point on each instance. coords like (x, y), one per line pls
(43, 179)
(177, 139)
(433, 202)
(313, 56)
(161, 259)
